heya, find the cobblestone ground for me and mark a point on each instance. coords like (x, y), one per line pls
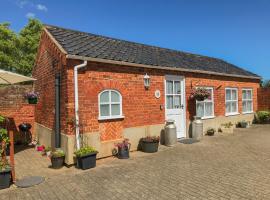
(233, 166)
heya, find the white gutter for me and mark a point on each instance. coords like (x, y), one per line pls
(77, 127)
(100, 60)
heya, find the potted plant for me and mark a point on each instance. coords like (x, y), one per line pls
(227, 128)
(86, 157)
(5, 174)
(210, 131)
(32, 97)
(48, 151)
(123, 149)
(57, 158)
(5, 169)
(200, 94)
(150, 144)
(242, 124)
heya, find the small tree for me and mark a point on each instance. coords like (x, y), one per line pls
(266, 84)
(18, 51)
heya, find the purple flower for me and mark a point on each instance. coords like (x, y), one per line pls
(32, 95)
(123, 144)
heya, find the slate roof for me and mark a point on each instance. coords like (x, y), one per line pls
(96, 46)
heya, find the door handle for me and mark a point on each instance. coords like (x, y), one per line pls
(182, 106)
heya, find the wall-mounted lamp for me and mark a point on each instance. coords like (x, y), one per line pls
(146, 80)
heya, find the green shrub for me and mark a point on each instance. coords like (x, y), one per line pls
(2, 119)
(85, 151)
(58, 153)
(263, 116)
(4, 165)
(47, 149)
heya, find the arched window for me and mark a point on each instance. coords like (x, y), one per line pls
(110, 104)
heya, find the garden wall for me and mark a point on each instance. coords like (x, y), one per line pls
(14, 106)
(264, 99)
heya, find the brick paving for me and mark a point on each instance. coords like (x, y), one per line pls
(233, 166)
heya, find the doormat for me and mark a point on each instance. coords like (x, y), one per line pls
(29, 181)
(188, 141)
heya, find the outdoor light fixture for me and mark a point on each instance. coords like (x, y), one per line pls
(146, 80)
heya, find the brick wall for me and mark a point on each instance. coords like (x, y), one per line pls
(264, 99)
(14, 106)
(50, 61)
(140, 107)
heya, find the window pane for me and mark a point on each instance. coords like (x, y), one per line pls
(245, 106)
(210, 91)
(228, 107)
(228, 95)
(177, 101)
(104, 97)
(169, 101)
(249, 106)
(199, 109)
(104, 110)
(249, 94)
(177, 87)
(169, 87)
(115, 97)
(234, 95)
(208, 109)
(115, 109)
(244, 94)
(234, 107)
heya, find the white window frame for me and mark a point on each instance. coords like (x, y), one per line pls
(110, 103)
(207, 100)
(237, 107)
(247, 89)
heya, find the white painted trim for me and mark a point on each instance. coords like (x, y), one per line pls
(237, 106)
(210, 117)
(183, 96)
(112, 117)
(185, 108)
(252, 108)
(205, 101)
(110, 103)
(232, 114)
(244, 113)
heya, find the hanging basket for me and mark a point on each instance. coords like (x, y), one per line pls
(200, 94)
(32, 100)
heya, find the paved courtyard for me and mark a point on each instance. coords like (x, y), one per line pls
(233, 166)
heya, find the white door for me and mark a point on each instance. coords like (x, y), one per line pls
(175, 102)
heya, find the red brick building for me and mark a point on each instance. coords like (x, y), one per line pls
(114, 102)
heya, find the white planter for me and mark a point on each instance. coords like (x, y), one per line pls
(227, 130)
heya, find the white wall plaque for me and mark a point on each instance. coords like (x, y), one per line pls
(157, 94)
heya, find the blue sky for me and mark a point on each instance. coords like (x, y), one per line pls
(237, 31)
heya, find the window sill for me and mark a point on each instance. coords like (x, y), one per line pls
(210, 117)
(231, 114)
(247, 112)
(111, 117)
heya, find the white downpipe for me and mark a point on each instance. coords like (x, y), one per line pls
(77, 127)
